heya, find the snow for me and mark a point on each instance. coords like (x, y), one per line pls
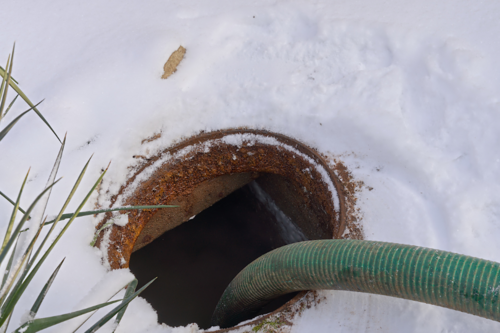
(121, 220)
(110, 284)
(405, 93)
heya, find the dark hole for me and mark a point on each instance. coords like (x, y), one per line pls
(196, 261)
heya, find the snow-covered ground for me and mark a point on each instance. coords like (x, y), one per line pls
(406, 93)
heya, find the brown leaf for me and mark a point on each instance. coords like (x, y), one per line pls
(173, 61)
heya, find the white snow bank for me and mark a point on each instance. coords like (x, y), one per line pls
(405, 92)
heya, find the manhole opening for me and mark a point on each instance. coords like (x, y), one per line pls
(196, 261)
(266, 169)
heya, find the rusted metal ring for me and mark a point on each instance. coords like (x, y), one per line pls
(173, 175)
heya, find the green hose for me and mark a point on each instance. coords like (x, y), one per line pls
(435, 277)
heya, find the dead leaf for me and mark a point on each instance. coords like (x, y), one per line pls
(173, 61)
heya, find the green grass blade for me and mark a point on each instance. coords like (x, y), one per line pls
(12, 202)
(117, 309)
(32, 260)
(14, 213)
(73, 190)
(9, 265)
(83, 322)
(4, 81)
(26, 99)
(14, 297)
(98, 211)
(10, 105)
(29, 263)
(9, 74)
(7, 129)
(130, 290)
(7, 247)
(43, 323)
(84, 201)
(19, 267)
(44, 291)
(58, 218)
(3, 329)
(52, 176)
(3, 70)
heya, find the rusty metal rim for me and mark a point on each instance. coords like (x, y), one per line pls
(204, 137)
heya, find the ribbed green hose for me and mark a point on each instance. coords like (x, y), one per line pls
(436, 277)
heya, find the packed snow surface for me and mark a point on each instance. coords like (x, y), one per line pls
(405, 93)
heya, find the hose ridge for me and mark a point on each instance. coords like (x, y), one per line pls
(431, 276)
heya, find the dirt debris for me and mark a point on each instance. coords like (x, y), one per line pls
(354, 228)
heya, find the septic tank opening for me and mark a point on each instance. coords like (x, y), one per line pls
(197, 260)
(291, 179)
